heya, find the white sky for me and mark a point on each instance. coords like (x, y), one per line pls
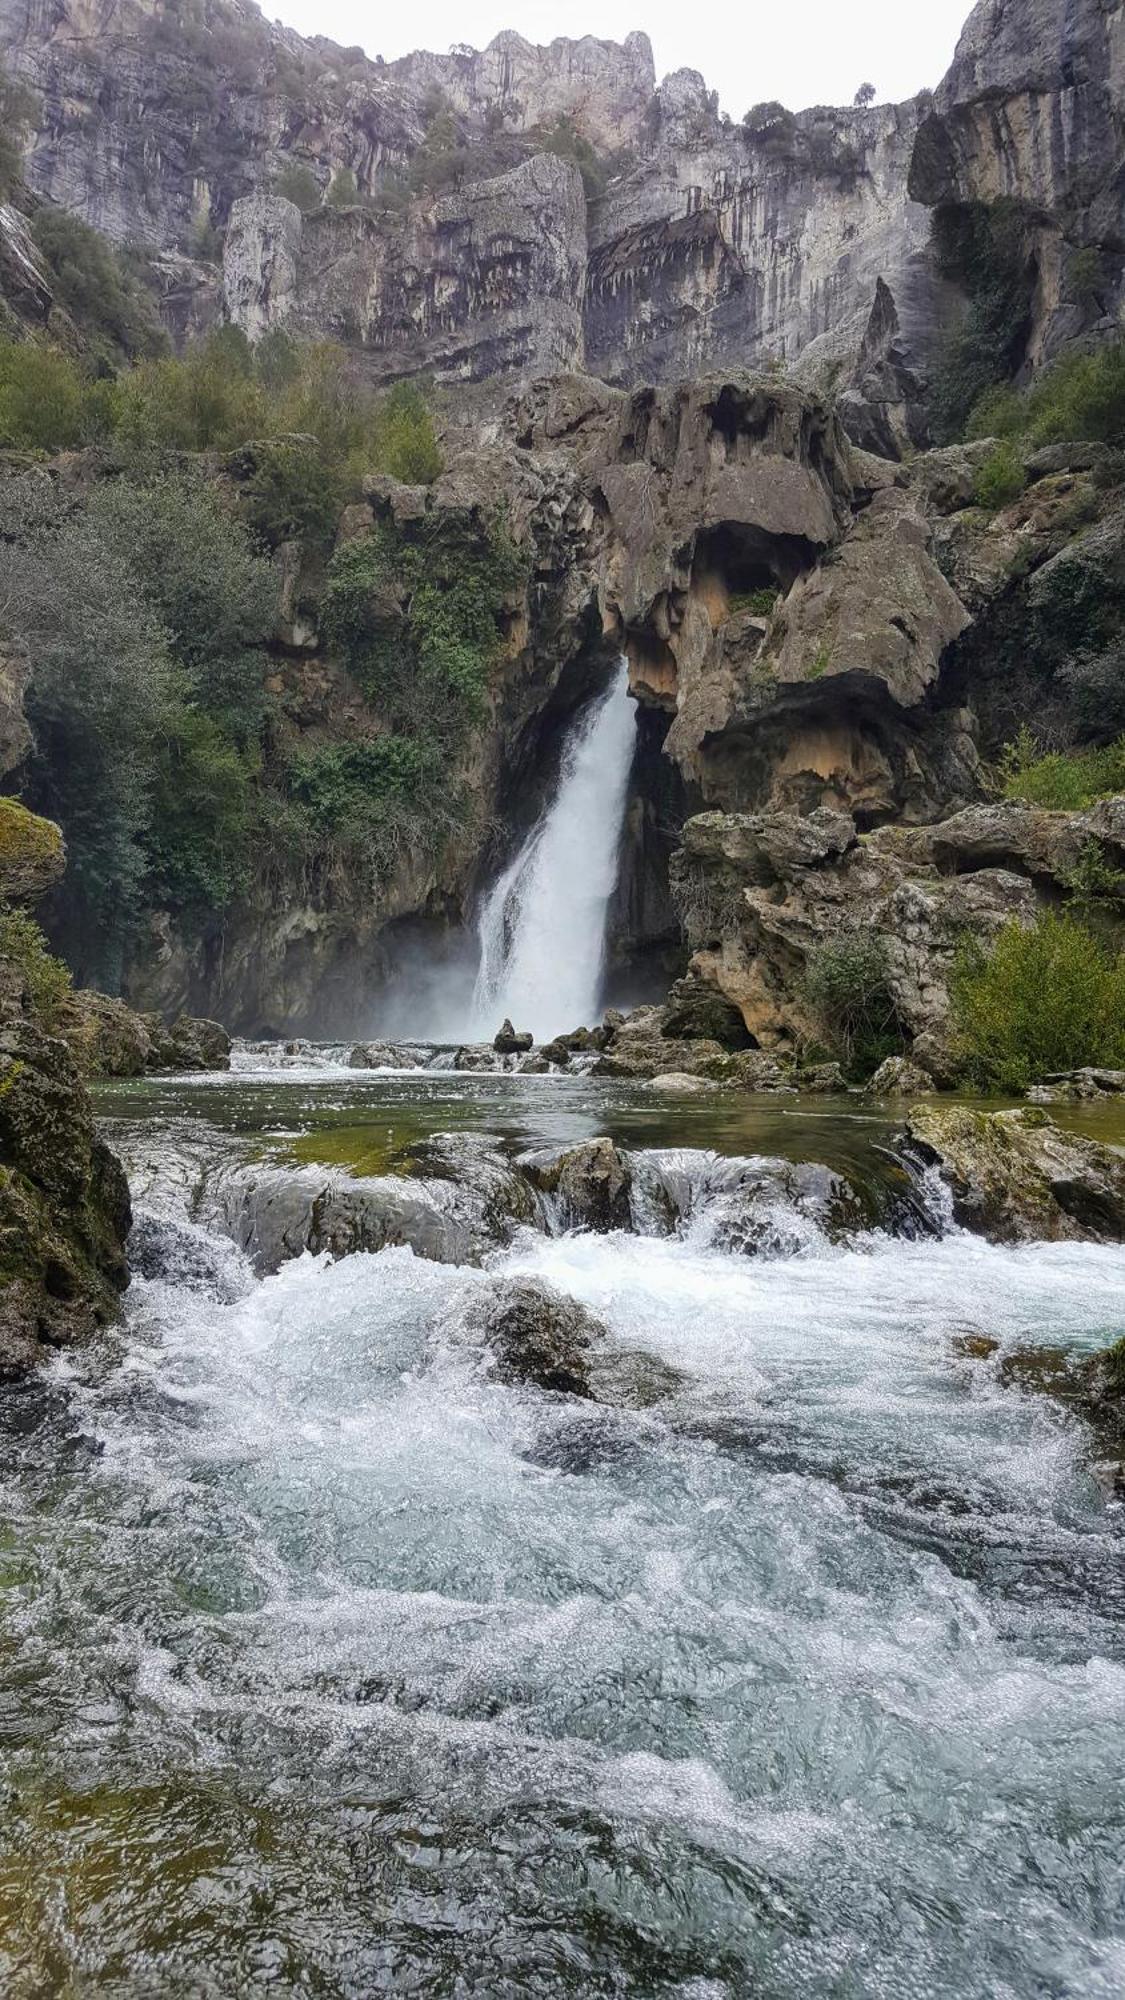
(801, 51)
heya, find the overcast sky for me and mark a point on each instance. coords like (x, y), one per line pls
(801, 51)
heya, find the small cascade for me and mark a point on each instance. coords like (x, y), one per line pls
(542, 925)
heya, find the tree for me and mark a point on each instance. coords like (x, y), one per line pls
(864, 96)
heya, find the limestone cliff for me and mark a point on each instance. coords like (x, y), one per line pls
(705, 244)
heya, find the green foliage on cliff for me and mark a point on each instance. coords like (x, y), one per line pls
(17, 109)
(111, 309)
(1063, 780)
(1044, 998)
(983, 247)
(45, 977)
(849, 990)
(314, 425)
(419, 615)
(1081, 396)
(145, 614)
(299, 185)
(568, 143)
(1000, 479)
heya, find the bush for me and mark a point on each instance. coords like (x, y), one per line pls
(1065, 780)
(1081, 396)
(1095, 681)
(1046, 998)
(848, 985)
(214, 594)
(299, 185)
(42, 399)
(343, 190)
(200, 847)
(1000, 478)
(294, 492)
(208, 400)
(46, 977)
(404, 444)
(568, 143)
(418, 616)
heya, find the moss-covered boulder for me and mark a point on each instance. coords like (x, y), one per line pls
(108, 1039)
(1016, 1177)
(64, 1202)
(32, 853)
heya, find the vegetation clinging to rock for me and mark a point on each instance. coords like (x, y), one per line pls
(1046, 997)
(850, 991)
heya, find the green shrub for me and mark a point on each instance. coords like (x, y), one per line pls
(299, 185)
(418, 616)
(1046, 997)
(294, 492)
(568, 143)
(46, 977)
(42, 398)
(213, 593)
(206, 400)
(200, 845)
(403, 440)
(848, 986)
(1000, 478)
(759, 602)
(1081, 396)
(343, 190)
(1065, 780)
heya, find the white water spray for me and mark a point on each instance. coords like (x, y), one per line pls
(542, 927)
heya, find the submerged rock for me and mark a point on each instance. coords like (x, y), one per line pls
(678, 1083)
(590, 1184)
(1015, 1177)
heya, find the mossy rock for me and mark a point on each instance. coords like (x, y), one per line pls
(32, 853)
(64, 1202)
(1016, 1177)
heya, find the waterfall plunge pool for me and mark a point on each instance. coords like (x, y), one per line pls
(331, 1665)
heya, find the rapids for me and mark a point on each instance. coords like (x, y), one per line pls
(330, 1665)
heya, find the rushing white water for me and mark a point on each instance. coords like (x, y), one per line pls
(332, 1664)
(542, 926)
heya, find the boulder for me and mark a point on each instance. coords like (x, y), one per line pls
(32, 854)
(381, 1055)
(190, 1043)
(510, 1043)
(534, 1334)
(1015, 1177)
(899, 1077)
(677, 1083)
(589, 1184)
(64, 1202)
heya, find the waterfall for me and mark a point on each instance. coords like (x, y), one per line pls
(542, 926)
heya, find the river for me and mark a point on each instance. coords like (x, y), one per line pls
(331, 1665)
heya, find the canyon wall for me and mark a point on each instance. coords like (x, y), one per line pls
(698, 243)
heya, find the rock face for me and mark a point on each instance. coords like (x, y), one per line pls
(1016, 1178)
(1033, 110)
(487, 282)
(711, 245)
(64, 1203)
